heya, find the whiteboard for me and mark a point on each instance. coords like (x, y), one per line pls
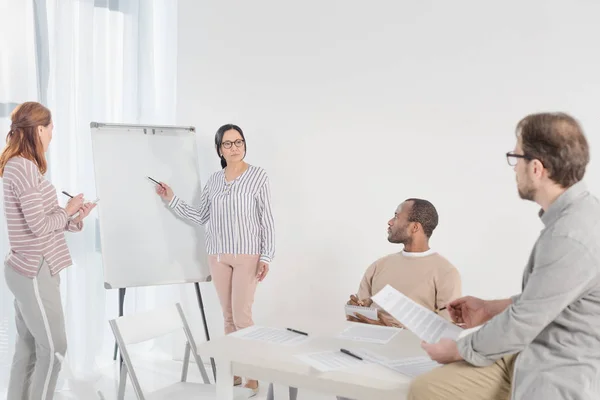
(143, 243)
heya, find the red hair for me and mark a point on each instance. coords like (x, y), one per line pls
(23, 139)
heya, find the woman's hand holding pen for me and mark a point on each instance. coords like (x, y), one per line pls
(74, 204)
(84, 211)
(165, 192)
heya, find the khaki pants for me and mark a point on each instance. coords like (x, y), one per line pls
(463, 381)
(235, 280)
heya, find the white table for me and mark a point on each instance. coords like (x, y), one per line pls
(276, 363)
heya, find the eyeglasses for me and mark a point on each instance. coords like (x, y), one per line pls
(512, 158)
(238, 143)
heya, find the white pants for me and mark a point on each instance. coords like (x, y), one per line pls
(41, 333)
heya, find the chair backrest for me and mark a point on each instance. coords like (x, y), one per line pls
(149, 324)
(132, 329)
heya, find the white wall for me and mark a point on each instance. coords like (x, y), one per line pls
(353, 106)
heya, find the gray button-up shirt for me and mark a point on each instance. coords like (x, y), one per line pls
(555, 322)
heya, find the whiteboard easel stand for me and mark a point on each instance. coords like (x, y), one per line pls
(147, 129)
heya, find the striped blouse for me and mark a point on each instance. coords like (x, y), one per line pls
(36, 223)
(237, 213)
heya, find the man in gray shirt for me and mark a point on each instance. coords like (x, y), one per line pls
(543, 344)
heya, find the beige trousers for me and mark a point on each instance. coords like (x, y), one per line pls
(235, 280)
(463, 381)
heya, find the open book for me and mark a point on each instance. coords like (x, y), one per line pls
(424, 323)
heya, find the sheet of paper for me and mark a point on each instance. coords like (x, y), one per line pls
(424, 323)
(330, 360)
(414, 366)
(409, 366)
(271, 335)
(369, 312)
(371, 356)
(369, 333)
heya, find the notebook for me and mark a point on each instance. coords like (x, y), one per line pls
(369, 312)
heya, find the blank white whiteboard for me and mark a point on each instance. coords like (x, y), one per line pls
(143, 243)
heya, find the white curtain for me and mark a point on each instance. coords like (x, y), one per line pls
(17, 83)
(87, 60)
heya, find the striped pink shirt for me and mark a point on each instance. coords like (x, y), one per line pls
(36, 223)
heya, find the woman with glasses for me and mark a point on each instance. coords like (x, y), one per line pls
(236, 206)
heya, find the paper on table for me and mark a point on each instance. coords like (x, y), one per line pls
(371, 356)
(271, 335)
(413, 366)
(409, 366)
(424, 323)
(369, 333)
(330, 360)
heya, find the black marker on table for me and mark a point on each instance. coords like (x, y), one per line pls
(350, 353)
(295, 331)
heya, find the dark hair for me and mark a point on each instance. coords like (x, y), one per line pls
(423, 212)
(219, 140)
(558, 142)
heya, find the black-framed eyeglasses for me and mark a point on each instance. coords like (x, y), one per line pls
(512, 158)
(238, 143)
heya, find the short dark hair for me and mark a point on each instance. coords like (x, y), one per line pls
(558, 142)
(219, 140)
(423, 212)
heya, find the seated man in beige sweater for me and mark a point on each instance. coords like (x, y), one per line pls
(417, 271)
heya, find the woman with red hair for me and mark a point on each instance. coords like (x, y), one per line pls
(38, 252)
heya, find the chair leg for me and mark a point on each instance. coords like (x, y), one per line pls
(186, 362)
(122, 382)
(293, 393)
(192, 344)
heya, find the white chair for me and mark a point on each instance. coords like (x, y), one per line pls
(152, 324)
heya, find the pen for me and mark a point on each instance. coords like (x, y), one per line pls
(155, 181)
(350, 353)
(441, 309)
(295, 331)
(65, 193)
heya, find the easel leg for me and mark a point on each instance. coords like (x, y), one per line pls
(121, 301)
(206, 334)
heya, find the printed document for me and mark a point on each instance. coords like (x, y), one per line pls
(369, 312)
(271, 335)
(409, 366)
(330, 360)
(424, 323)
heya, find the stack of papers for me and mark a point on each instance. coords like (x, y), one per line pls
(271, 335)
